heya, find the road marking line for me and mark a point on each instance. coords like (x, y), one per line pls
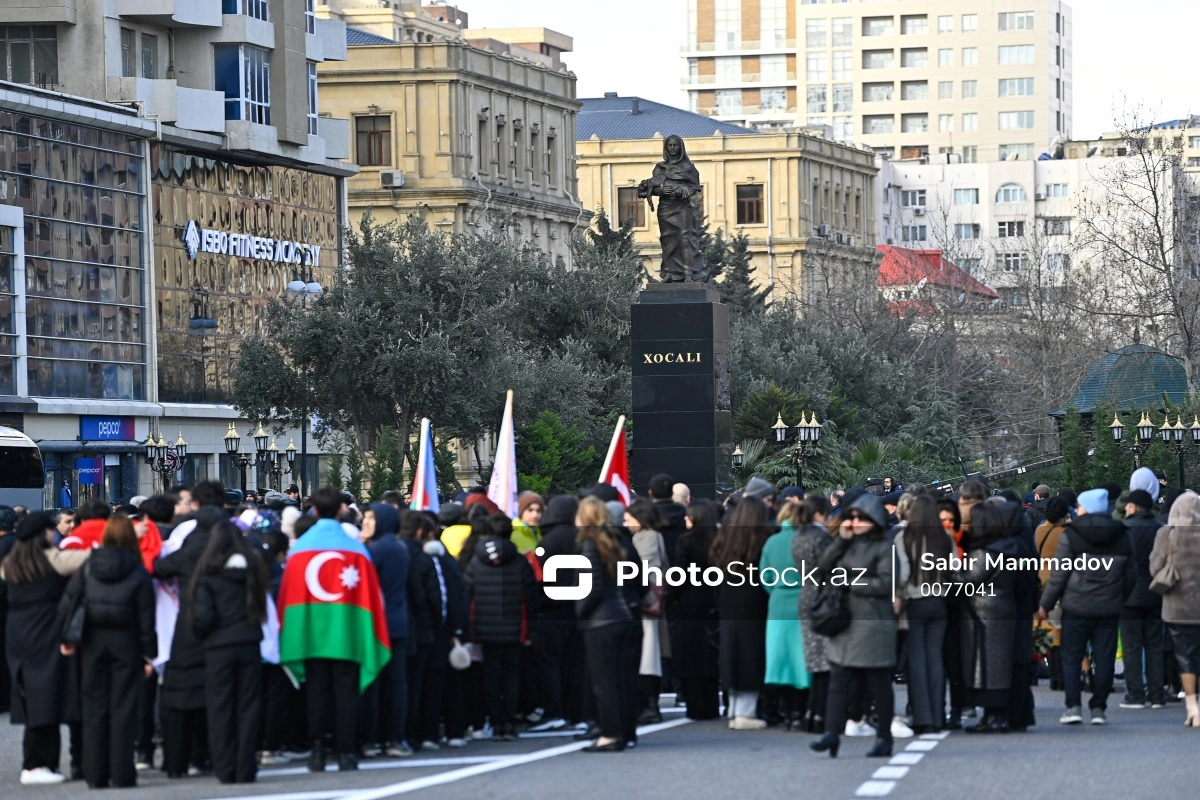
(410, 763)
(920, 746)
(875, 789)
(907, 758)
(935, 736)
(890, 773)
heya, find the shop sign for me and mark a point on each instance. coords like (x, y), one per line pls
(106, 429)
(206, 240)
(91, 470)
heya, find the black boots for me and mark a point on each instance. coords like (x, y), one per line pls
(881, 749)
(829, 741)
(991, 723)
(316, 761)
(347, 762)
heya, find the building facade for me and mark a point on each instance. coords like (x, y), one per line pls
(982, 79)
(172, 171)
(805, 203)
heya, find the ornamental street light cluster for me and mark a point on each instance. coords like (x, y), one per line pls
(808, 433)
(1176, 435)
(163, 458)
(267, 455)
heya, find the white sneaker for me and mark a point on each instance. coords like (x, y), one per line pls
(535, 716)
(41, 776)
(484, 733)
(142, 766)
(456, 743)
(747, 724)
(269, 759)
(549, 725)
(859, 729)
(430, 746)
(900, 729)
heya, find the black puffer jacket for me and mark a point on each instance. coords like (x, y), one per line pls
(119, 597)
(1143, 528)
(676, 517)
(219, 617)
(424, 594)
(1095, 593)
(502, 593)
(558, 538)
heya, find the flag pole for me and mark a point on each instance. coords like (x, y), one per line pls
(612, 447)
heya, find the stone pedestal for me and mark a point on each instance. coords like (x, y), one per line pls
(681, 417)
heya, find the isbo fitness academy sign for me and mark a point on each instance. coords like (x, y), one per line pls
(206, 240)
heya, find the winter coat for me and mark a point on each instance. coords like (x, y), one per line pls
(1181, 540)
(988, 615)
(219, 617)
(525, 538)
(45, 683)
(1046, 539)
(455, 622)
(390, 557)
(870, 641)
(676, 517)
(785, 640)
(501, 592)
(1143, 530)
(692, 616)
(808, 544)
(453, 537)
(1037, 512)
(604, 604)
(84, 536)
(743, 624)
(558, 538)
(119, 597)
(656, 639)
(424, 594)
(1097, 593)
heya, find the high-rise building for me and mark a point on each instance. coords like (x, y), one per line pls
(984, 80)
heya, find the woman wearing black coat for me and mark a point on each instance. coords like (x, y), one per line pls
(45, 684)
(229, 606)
(119, 647)
(692, 609)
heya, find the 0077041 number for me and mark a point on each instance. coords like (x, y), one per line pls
(955, 589)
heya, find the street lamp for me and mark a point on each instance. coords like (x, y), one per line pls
(1145, 435)
(233, 446)
(304, 289)
(163, 459)
(781, 428)
(808, 433)
(739, 458)
(1177, 435)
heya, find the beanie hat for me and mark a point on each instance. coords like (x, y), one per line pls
(605, 492)
(1094, 501)
(34, 524)
(616, 512)
(1056, 509)
(759, 488)
(1042, 490)
(526, 499)
(1145, 479)
(1141, 498)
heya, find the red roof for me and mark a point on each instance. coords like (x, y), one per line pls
(903, 267)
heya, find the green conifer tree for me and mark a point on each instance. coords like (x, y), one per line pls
(1075, 452)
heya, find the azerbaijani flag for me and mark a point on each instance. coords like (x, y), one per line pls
(502, 490)
(330, 604)
(425, 488)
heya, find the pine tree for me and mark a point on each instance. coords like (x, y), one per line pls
(617, 242)
(354, 468)
(762, 408)
(738, 290)
(382, 457)
(713, 246)
(1110, 461)
(1075, 452)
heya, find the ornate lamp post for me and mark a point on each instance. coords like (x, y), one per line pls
(165, 459)
(233, 446)
(808, 433)
(739, 458)
(1145, 435)
(1176, 434)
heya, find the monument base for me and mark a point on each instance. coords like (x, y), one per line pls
(681, 414)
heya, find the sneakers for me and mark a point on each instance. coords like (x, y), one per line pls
(900, 729)
(747, 724)
(483, 734)
(1098, 717)
(1134, 702)
(1158, 705)
(456, 743)
(549, 725)
(427, 745)
(860, 729)
(397, 750)
(1073, 716)
(142, 765)
(41, 776)
(269, 759)
(535, 716)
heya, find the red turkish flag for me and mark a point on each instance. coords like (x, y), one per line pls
(616, 465)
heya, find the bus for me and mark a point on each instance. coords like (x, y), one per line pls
(22, 479)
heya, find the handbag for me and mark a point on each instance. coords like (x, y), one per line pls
(654, 601)
(460, 656)
(1167, 576)
(72, 632)
(829, 611)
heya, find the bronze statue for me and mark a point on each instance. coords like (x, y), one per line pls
(676, 182)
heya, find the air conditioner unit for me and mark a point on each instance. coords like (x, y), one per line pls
(891, 241)
(823, 231)
(1039, 196)
(391, 178)
(918, 211)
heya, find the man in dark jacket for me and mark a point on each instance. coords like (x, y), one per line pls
(661, 488)
(1037, 510)
(424, 612)
(1141, 618)
(1092, 598)
(501, 592)
(389, 692)
(559, 645)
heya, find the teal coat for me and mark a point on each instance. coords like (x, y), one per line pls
(785, 641)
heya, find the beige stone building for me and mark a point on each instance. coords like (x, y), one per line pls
(982, 79)
(801, 200)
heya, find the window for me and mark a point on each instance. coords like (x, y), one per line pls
(773, 99)
(772, 68)
(552, 160)
(750, 204)
(373, 137)
(818, 120)
(1016, 20)
(843, 129)
(1011, 262)
(945, 90)
(728, 69)
(1011, 193)
(814, 33)
(877, 92)
(843, 31)
(1058, 263)
(1057, 190)
(772, 25)
(915, 57)
(312, 98)
(310, 16)
(970, 153)
(630, 207)
(946, 57)
(970, 56)
(251, 8)
(913, 233)
(877, 26)
(727, 24)
(970, 89)
(149, 56)
(1194, 141)
(878, 123)
(966, 230)
(1057, 226)
(29, 54)
(914, 123)
(1016, 54)
(910, 198)
(1010, 229)
(816, 99)
(1016, 87)
(1016, 120)
(914, 25)
(817, 66)
(914, 90)
(970, 23)
(243, 73)
(843, 64)
(843, 97)
(127, 53)
(481, 146)
(970, 122)
(878, 59)
(729, 101)
(946, 23)
(945, 123)
(1019, 151)
(966, 197)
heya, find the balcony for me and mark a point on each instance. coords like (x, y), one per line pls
(328, 42)
(194, 109)
(737, 80)
(172, 13)
(37, 11)
(336, 133)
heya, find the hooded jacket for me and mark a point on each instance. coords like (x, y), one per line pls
(424, 594)
(676, 517)
(119, 597)
(219, 617)
(558, 538)
(1095, 593)
(456, 590)
(1143, 528)
(391, 559)
(84, 536)
(500, 592)
(1179, 539)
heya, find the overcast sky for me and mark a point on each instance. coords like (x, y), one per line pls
(1138, 50)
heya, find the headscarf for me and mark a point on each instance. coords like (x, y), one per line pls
(1144, 478)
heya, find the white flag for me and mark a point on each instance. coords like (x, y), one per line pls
(503, 487)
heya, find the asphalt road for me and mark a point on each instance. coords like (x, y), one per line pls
(1138, 754)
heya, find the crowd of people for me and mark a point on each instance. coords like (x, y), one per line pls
(199, 624)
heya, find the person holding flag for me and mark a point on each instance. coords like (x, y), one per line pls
(333, 630)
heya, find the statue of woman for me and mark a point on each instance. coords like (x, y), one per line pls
(676, 183)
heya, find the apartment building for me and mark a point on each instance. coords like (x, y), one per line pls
(168, 170)
(1179, 137)
(985, 80)
(804, 202)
